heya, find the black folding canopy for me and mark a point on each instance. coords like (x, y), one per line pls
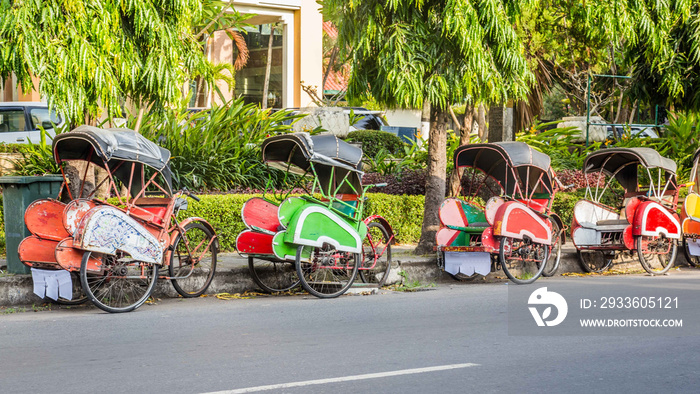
(114, 146)
(295, 152)
(499, 159)
(623, 162)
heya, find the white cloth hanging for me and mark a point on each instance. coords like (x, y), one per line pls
(52, 283)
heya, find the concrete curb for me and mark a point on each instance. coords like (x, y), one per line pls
(232, 275)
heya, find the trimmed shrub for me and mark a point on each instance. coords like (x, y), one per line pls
(374, 141)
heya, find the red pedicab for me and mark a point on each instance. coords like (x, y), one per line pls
(646, 218)
(515, 229)
(118, 248)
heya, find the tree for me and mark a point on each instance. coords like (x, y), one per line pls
(664, 52)
(91, 57)
(405, 52)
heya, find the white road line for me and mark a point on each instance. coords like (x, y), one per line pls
(347, 378)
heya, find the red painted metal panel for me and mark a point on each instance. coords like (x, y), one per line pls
(254, 242)
(70, 258)
(452, 213)
(44, 218)
(34, 250)
(74, 212)
(515, 220)
(652, 218)
(259, 213)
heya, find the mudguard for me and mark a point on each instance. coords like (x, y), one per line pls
(515, 220)
(106, 229)
(383, 222)
(314, 225)
(653, 219)
(560, 223)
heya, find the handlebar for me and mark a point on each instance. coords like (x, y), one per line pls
(189, 194)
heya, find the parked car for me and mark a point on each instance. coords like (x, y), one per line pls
(364, 118)
(615, 133)
(20, 121)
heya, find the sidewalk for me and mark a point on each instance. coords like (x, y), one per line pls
(232, 275)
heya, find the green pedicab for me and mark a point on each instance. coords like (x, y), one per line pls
(322, 232)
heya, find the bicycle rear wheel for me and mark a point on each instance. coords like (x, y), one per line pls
(327, 272)
(273, 276)
(656, 254)
(120, 285)
(376, 255)
(192, 279)
(554, 251)
(522, 261)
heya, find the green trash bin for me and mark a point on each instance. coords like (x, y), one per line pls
(18, 192)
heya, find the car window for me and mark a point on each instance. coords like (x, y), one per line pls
(368, 122)
(11, 120)
(39, 115)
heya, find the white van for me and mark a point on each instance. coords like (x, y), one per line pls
(20, 121)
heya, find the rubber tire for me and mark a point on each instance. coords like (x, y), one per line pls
(553, 259)
(316, 293)
(364, 275)
(265, 286)
(535, 276)
(75, 301)
(171, 266)
(645, 263)
(694, 261)
(587, 268)
(107, 308)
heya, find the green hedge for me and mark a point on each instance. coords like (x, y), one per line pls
(404, 214)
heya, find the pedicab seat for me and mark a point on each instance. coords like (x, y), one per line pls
(151, 208)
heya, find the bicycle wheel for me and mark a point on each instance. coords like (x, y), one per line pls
(79, 296)
(192, 269)
(121, 285)
(692, 260)
(522, 261)
(273, 276)
(657, 254)
(327, 273)
(594, 260)
(554, 251)
(376, 255)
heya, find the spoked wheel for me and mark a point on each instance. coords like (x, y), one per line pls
(192, 269)
(79, 296)
(273, 276)
(657, 254)
(554, 251)
(692, 260)
(326, 272)
(595, 260)
(376, 255)
(121, 284)
(522, 261)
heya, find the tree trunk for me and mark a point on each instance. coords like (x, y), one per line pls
(435, 180)
(268, 67)
(481, 121)
(464, 132)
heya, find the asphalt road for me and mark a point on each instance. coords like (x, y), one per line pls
(452, 339)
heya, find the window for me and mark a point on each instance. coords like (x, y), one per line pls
(11, 120)
(250, 80)
(40, 115)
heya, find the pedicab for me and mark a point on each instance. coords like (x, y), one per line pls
(623, 215)
(118, 247)
(318, 239)
(503, 219)
(690, 216)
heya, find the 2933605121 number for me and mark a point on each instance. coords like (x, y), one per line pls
(638, 302)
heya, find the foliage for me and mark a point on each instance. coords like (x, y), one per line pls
(560, 144)
(89, 55)
(664, 50)
(375, 140)
(407, 181)
(413, 157)
(10, 148)
(679, 141)
(218, 148)
(37, 158)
